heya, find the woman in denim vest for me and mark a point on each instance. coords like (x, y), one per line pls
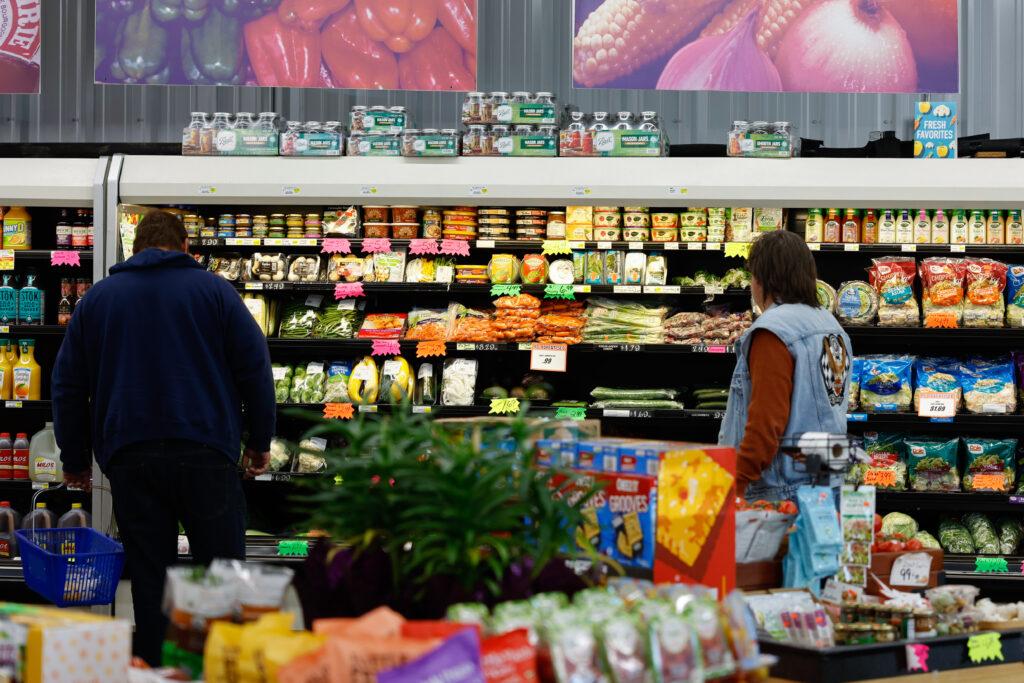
(792, 370)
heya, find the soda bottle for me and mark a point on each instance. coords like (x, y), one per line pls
(10, 521)
(75, 517)
(19, 456)
(6, 456)
(40, 518)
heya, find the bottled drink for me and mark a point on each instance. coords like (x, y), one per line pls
(6, 456)
(8, 300)
(40, 518)
(30, 302)
(814, 229)
(63, 230)
(940, 228)
(44, 457)
(996, 231)
(905, 228)
(65, 307)
(75, 517)
(19, 456)
(1014, 228)
(832, 232)
(922, 227)
(851, 227)
(977, 228)
(6, 371)
(17, 228)
(869, 229)
(958, 228)
(887, 227)
(27, 373)
(79, 233)
(10, 521)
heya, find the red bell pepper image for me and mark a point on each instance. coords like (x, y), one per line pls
(283, 55)
(355, 60)
(399, 24)
(436, 63)
(309, 14)
(459, 17)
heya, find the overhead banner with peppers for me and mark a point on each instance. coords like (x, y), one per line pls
(840, 46)
(20, 38)
(360, 44)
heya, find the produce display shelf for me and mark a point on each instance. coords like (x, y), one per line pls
(1008, 337)
(461, 288)
(34, 330)
(11, 570)
(44, 255)
(263, 549)
(908, 501)
(954, 249)
(365, 345)
(44, 406)
(964, 565)
(533, 410)
(881, 660)
(963, 421)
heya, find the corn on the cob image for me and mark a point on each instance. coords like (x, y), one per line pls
(621, 36)
(776, 17)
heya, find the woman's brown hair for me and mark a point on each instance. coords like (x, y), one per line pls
(159, 229)
(784, 266)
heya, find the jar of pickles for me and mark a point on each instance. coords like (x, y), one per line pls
(277, 226)
(260, 226)
(243, 225)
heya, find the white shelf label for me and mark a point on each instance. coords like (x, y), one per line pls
(636, 246)
(548, 357)
(485, 244)
(694, 246)
(676, 191)
(477, 190)
(5, 329)
(291, 190)
(367, 190)
(12, 404)
(581, 289)
(207, 189)
(577, 245)
(604, 245)
(714, 289)
(851, 247)
(609, 412)
(713, 246)
(253, 286)
(814, 246)
(958, 248)
(909, 247)
(936, 404)
(911, 569)
(422, 410)
(580, 191)
(627, 289)
(663, 289)
(367, 409)
(671, 246)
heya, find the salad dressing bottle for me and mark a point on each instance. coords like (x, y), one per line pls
(905, 228)
(27, 373)
(833, 227)
(1014, 228)
(814, 229)
(996, 232)
(851, 227)
(869, 229)
(887, 227)
(940, 228)
(977, 229)
(922, 227)
(958, 228)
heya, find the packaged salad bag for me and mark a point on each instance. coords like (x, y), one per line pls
(942, 291)
(988, 386)
(885, 383)
(893, 278)
(1015, 296)
(937, 376)
(985, 281)
(990, 464)
(931, 464)
(886, 467)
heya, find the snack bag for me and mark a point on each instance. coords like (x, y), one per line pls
(932, 464)
(1015, 296)
(988, 386)
(990, 464)
(937, 375)
(985, 281)
(457, 660)
(509, 657)
(893, 279)
(885, 383)
(675, 650)
(942, 283)
(718, 659)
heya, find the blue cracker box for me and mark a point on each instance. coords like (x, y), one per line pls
(935, 130)
(619, 520)
(597, 455)
(641, 457)
(555, 452)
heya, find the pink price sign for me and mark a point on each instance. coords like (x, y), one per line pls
(336, 245)
(386, 347)
(455, 247)
(65, 258)
(423, 247)
(376, 245)
(348, 290)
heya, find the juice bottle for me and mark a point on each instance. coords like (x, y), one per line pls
(10, 521)
(1014, 227)
(833, 227)
(905, 227)
(6, 456)
(887, 227)
(6, 369)
(8, 300)
(940, 228)
(869, 229)
(814, 229)
(27, 373)
(40, 518)
(958, 228)
(977, 228)
(44, 457)
(17, 228)
(19, 456)
(30, 302)
(922, 227)
(996, 228)
(75, 517)
(851, 227)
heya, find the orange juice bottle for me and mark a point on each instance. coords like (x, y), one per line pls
(28, 375)
(17, 228)
(7, 357)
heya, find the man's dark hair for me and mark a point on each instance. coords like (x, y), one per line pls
(784, 266)
(159, 229)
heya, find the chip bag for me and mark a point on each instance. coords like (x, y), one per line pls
(942, 283)
(893, 278)
(985, 281)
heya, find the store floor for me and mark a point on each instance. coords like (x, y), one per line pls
(1002, 673)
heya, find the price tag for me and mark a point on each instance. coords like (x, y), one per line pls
(636, 246)
(207, 189)
(917, 657)
(663, 289)
(671, 246)
(367, 409)
(485, 244)
(254, 286)
(462, 346)
(880, 477)
(627, 289)
(604, 245)
(338, 411)
(242, 241)
(504, 406)
(581, 289)
(581, 191)
(477, 190)
(274, 241)
(5, 329)
(936, 404)
(737, 250)
(385, 347)
(576, 246)
(525, 346)
(559, 292)
(814, 246)
(694, 246)
(6, 259)
(851, 247)
(984, 647)
(991, 565)
(40, 485)
(290, 190)
(548, 357)
(422, 410)
(958, 248)
(714, 289)
(713, 246)
(506, 290)
(425, 349)
(909, 247)
(367, 190)
(564, 413)
(553, 247)
(856, 417)
(911, 569)
(613, 412)
(675, 191)
(65, 258)
(293, 548)
(12, 404)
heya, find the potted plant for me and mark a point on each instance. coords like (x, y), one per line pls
(420, 518)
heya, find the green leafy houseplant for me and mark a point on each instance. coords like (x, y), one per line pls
(444, 516)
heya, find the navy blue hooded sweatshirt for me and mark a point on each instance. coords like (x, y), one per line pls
(161, 349)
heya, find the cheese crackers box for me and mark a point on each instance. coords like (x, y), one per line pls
(696, 518)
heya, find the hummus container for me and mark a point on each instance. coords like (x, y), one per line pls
(665, 234)
(693, 234)
(607, 219)
(405, 231)
(374, 230)
(607, 234)
(636, 220)
(404, 214)
(636, 234)
(665, 220)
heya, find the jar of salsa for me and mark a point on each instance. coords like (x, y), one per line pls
(312, 225)
(277, 226)
(260, 226)
(295, 224)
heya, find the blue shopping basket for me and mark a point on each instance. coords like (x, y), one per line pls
(71, 567)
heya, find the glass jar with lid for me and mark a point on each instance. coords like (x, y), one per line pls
(599, 121)
(472, 107)
(312, 127)
(355, 118)
(545, 98)
(267, 121)
(260, 226)
(520, 97)
(522, 129)
(277, 225)
(243, 121)
(409, 137)
(498, 106)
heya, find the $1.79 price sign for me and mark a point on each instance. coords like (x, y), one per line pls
(548, 357)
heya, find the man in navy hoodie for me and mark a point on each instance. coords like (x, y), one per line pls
(157, 363)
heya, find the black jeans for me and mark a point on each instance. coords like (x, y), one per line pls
(155, 485)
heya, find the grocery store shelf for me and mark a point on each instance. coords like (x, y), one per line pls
(28, 181)
(43, 255)
(485, 289)
(535, 410)
(263, 549)
(1011, 338)
(34, 330)
(956, 249)
(11, 570)
(856, 183)
(39, 406)
(366, 345)
(942, 501)
(963, 421)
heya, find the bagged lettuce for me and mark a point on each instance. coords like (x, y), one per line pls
(885, 383)
(932, 464)
(937, 375)
(983, 533)
(988, 385)
(990, 464)
(1011, 532)
(955, 538)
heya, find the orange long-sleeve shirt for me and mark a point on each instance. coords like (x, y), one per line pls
(771, 380)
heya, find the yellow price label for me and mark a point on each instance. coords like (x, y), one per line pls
(737, 249)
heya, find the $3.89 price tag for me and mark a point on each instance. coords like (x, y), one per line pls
(548, 357)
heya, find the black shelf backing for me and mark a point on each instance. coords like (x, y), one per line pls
(946, 501)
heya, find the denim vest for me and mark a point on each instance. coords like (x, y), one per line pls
(821, 382)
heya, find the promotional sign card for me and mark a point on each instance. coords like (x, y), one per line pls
(935, 125)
